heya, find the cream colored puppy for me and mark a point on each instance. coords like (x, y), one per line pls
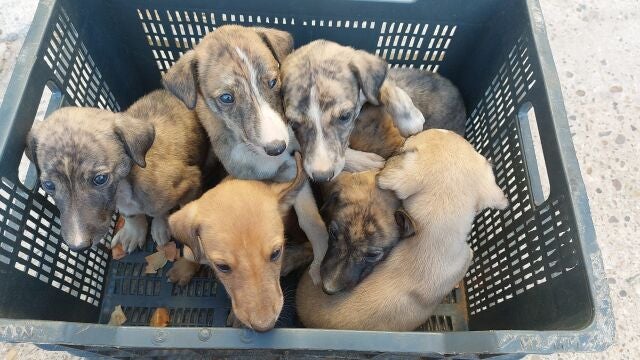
(443, 183)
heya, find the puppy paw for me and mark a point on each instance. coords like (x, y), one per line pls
(314, 273)
(356, 161)
(182, 271)
(410, 124)
(132, 235)
(160, 230)
(233, 321)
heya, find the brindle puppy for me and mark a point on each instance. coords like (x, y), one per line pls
(145, 161)
(365, 223)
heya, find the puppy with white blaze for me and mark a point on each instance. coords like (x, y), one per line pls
(443, 183)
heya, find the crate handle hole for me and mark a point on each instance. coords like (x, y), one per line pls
(50, 101)
(533, 154)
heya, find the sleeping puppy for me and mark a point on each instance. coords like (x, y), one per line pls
(237, 228)
(232, 80)
(326, 85)
(366, 222)
(443, 183)
(143, 162)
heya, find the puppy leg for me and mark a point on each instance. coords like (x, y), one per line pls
(396, 177)
(356, 161)
(182, 271)
(160, 230)
(406, 116)
(296, 256)
(311, 223)
(133, 234)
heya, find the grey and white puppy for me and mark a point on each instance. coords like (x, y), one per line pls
(145, 161)
(325, 86)
(232, 80)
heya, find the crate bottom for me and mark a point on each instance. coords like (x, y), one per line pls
(205, 303)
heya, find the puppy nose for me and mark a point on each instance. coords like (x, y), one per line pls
(275, 148)
(330, 289)
(322, 176)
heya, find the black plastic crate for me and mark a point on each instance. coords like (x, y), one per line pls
(536, 285)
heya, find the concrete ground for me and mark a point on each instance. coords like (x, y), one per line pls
(596, 46)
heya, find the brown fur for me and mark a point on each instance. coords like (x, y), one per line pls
(153, 154)
(443, 183)
(239, 224)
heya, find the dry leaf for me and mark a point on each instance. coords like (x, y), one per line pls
(160, 318)
(117, 252)
(170, 251)
(155, 261)
(117, 316)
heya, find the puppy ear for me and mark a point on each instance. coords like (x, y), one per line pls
(182, 79)
(288, 192)
(397, 177)
(405, 223)
(32, 147)
(185, 228)
(370, 71)
(136, 136)
(279, 42)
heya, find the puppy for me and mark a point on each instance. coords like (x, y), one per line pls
(325, 86)
(143, 162)
(237, 228)
(443, 182)
(232, 80)
(365, 224)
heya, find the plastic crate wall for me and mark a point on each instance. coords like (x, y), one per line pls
(526, 257)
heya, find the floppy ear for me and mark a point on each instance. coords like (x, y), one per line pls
(137, 136)
(287, 192)
(182, 79)
(405, 223)
(185, 228)
(279, 42)
(395, 175)
(32, 148)
(370, 71)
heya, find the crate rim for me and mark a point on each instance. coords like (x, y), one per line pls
(597, 336)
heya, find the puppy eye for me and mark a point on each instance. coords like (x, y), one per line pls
(373, 256)
(345, 117)
(294, 125)
(226, 98)
(223, 268)
(100, 179)
(275, 255)
(272, 83)
(48, 185)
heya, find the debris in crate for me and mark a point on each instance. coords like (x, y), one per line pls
(117, 252)
(160, 318)
(170, 251)
(117, 316)
(155, 262)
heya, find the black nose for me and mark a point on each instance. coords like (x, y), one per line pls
(275, 148)
(322, 176)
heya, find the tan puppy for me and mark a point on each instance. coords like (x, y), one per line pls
(143, 162)
(443, 183)
(237, 229)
